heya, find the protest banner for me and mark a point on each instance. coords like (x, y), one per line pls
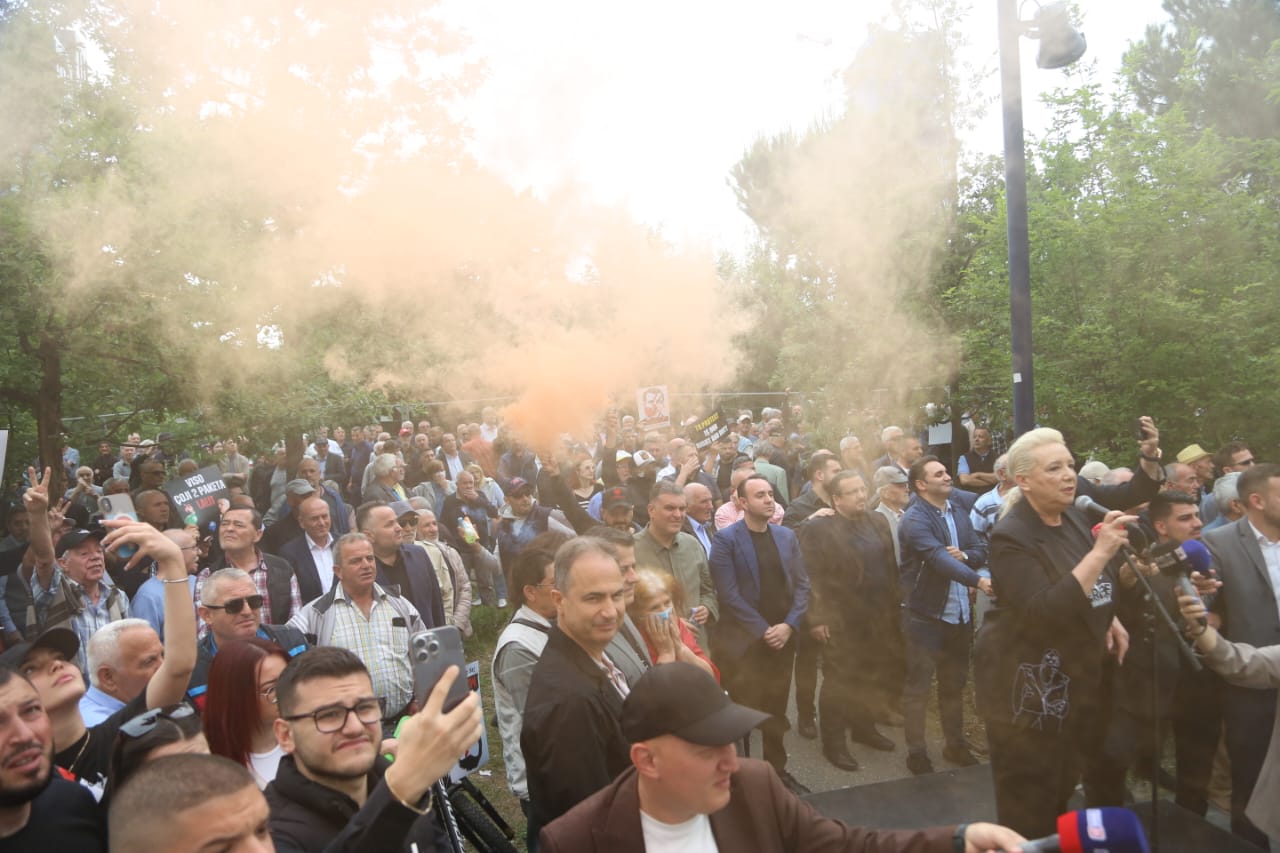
(707, 431)
(654, 407)
(197, 497)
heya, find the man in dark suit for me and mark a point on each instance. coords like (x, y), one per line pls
(763, 589)
(405, 566)
(455, 460)
(941, 556)
(696, 794)
(1247, 557)
(311, 553)
(572, 736)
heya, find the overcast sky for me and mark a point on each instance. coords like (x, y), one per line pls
(649, 105)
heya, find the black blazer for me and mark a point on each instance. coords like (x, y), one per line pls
(310, 585)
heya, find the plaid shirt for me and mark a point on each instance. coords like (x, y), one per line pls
(87, 621)
(259, 576)
(379, 642)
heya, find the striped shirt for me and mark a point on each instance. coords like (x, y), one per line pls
(379, 642)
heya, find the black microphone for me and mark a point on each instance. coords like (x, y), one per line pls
(1137, 536)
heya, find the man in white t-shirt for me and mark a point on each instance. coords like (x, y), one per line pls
(688, 791)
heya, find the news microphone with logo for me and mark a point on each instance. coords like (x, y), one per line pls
(1179, 560)
(1102, 830)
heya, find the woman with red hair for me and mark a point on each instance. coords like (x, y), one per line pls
(656, 609)
(240, 711)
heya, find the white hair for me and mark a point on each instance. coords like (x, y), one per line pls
(383, 464)
(848, 441)
(1022, 459)
(1226, 490)
(209, 592)
(889, 433)
(103, 648)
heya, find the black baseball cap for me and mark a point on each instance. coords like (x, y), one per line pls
(72, 538)
(680, 699)
(615, 496)
(519, 485)
(61, 640)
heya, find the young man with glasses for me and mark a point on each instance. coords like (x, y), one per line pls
(374, 623)
(333, 789)
(229, 606)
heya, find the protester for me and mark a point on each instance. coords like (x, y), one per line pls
(1055, 625)
(122, 656)
(239, 532)
(627, 648)
(576, 692)
(310, 553)
(49, 662)
(519, 522)
(359, 615)
(404, 568)
(240, 711)
(763, 587)
(666, 635)
(685, 788)
(182, 803)
(663, 544)
(40, 809)
(516, 654)
(153, 734)
(148, 602)
(333, 789)
(449, 565)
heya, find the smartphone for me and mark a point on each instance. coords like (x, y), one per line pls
(432, 652)
(1140, 431)
(119, 506)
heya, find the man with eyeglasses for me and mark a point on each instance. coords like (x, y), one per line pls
(333, 789)
(230, 606)
(49, 663)
(239, 532)
(359, 615)
(1233, 457)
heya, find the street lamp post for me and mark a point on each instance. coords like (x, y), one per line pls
(1060, 46)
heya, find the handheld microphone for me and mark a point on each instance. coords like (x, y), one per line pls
(1179, 561)
(1102, 830)
(1137, 536)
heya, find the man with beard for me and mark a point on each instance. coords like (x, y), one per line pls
(853, 606)
(333, 789)
(39, 808)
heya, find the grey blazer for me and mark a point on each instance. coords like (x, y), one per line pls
(1247, 600)
(1246, 666)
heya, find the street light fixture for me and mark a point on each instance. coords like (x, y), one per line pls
(1060, 45)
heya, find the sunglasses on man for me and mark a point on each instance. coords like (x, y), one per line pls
(234, 605)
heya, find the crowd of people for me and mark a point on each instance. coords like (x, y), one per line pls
(662, 599)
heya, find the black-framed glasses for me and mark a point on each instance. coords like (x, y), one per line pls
(145, 722)
(333, 718)
(234, 605)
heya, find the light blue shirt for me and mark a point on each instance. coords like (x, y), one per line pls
(957, 610)
(701, 531)
(96, 706)
(148, 602)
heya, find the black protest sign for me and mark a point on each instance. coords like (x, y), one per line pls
(197, 496)
(708, 430)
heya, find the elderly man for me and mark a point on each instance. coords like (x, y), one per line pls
(49, 663)
(239, 532)
(385, 485)
(663, 544)
(311, 552)
(891, 442)
(122, 658)
(449, 566)
(359, 615)
(576, 692)
(70, 587)
(521, 520)
(987, 507)
(976, 468)
(1226, 498)
(851, 458)
(226, 605)
(339, 513)
(152, 506)
(282, 521)
(891, 488)
(685, 788)
(699, 517)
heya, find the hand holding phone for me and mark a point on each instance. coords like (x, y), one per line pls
(432, 652)
(119, 506)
